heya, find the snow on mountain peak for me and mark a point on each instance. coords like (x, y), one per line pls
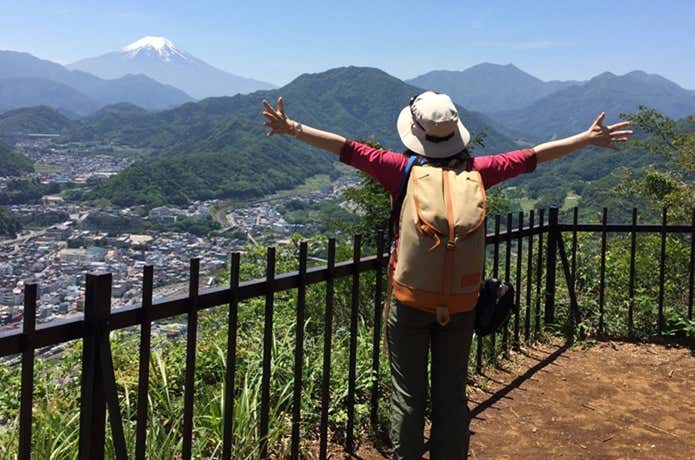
(162, 45)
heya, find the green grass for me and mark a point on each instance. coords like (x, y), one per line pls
(56, 401)
(310, 185)
(571, 201)
(527, 203)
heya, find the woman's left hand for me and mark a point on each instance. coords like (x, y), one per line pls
(605, 136)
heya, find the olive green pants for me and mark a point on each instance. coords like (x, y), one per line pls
(411, 335)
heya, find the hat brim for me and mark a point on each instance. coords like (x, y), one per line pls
(415, 139)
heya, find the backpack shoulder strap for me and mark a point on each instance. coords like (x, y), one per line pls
(413, 160)
(404, 180)
(395, 211)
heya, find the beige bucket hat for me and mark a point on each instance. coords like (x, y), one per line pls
(430, 126)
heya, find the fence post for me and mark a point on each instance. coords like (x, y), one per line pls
(93, 401)
(299, 352)
(267, 352)
(144, 364)
(28, 329)
(352, 368)
(378, 297)
(232, 325)
(662, 269)
(551, 258)
(191, 342)
(691, 278)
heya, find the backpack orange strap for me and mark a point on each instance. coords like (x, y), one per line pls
(442, 311)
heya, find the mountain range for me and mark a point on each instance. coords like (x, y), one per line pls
(523, 106)
(29, 120)
(237, 159)
(26, 81)
(489, 88)
(160, 59)
(573, 109)
(216, 147)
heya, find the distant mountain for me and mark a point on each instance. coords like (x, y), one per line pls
(41, 119)
(12, 163)
(358, 102)
(32, 78)
(489, 87)
(159, 58)
(28, 92)
(239, 160)
(572, 109)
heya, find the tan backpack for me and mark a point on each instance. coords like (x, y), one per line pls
(441, 248)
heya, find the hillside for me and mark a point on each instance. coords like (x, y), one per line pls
(13, 164)
(356, 102)
(29, 92)
(237, 159)
(88, 92)
(596, 178)
(573, 109)
(40, 119)
(489, 87)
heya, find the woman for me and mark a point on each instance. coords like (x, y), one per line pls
(430, 127)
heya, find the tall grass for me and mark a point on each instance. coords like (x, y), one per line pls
(56, 399)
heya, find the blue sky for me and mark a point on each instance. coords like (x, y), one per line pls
(278, 40)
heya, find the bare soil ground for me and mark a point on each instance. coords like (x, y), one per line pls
(613, 400)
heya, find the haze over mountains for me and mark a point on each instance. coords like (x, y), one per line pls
(216, 147)
(524, 106)
(572, 109)
(26, 80)
(160, 59)
(489, 88)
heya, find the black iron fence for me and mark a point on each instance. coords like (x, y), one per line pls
(528, 252)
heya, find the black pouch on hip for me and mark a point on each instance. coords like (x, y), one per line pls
(495, 305)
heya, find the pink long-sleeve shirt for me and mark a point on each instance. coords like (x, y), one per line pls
(387, 167)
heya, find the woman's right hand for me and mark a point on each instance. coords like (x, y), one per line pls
(277, 121)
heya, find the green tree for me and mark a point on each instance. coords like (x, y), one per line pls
(9, 226)
(673, 187)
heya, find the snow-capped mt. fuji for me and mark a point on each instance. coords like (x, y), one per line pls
(159, 58)
(164, 48)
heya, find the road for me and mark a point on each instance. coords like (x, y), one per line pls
(22, 239)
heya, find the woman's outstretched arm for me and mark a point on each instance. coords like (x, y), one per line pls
(279, 123)
(597, 134)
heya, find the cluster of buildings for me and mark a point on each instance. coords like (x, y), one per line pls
(58, 257)
(200, 210)
(66, 240)
(259, 220)
(74, 163)
(263, 220)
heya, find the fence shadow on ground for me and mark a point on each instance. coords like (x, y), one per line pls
(514, 384)
(667, 341)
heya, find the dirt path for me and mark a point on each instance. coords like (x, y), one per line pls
(610, 401)
(613, 400)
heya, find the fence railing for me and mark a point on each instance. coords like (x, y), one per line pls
(526, 253)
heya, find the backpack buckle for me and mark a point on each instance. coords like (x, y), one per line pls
(442, 315)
